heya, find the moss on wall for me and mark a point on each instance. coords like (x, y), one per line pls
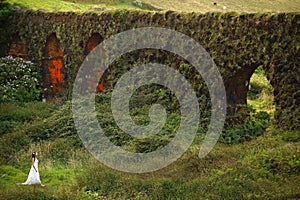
(238, 44)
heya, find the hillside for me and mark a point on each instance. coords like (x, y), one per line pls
(264, 167)
(248, 6)
(251, 160)
(259, 166)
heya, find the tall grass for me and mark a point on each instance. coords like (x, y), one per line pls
(266, 167)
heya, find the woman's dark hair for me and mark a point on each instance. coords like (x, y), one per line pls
(33, 155)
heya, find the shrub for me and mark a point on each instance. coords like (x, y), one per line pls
(19, 80)
(14, 116)
(61, 149)
(59, 124)
(10, 144)
(252, 127)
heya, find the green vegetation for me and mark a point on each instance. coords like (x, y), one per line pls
(219, 33)
(262, 165)
(260, 102)
(19, 80)
(5, 10)
(79, 6)
(249, 6)
(252, 161)
(260, 95)
(266, 167)
(254, 126)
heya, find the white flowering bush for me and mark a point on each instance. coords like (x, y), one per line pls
(19, 80)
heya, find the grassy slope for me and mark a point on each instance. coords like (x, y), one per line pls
(256, 169)
(59, 5)
(178, 5)
(231, 5)
(266, 167)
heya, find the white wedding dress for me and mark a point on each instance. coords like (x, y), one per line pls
(33, 176)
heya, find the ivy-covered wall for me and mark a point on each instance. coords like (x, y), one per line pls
(238, 44)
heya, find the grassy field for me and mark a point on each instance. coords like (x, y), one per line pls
(263, 167)
(248, 6)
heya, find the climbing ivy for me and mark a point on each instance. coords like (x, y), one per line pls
(238, 44)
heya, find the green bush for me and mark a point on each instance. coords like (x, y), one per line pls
(19, 80)
(10, 144)
(252, 127)
(26, 113)
(61, 149)
(59, 124)
(97, 180)
(14, 116)
(7, 126)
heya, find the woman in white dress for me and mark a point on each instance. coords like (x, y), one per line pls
(33, 176)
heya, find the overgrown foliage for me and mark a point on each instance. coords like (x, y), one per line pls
(5, 28)
(20, 80)
(13, 116)
(238, 44)
(267, 166)
(252, 127)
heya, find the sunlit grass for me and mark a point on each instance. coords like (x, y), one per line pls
(260, 95)
(244, 171)
(229, 5)
(65, 6)
(203, 6)
(51, 5)
(261, 168)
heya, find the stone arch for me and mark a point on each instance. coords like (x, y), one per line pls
(237, 87)
(285, 81)
(92, 43)
(53, 68)
(17, 47)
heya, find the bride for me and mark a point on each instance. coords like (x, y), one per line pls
(33, 176)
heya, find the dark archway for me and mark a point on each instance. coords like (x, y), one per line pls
(53, 68)
(17, 48)
(92, 43)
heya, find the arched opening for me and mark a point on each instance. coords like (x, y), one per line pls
(17, 48)
(256, 113)
(92, 43)
(260, 95)
(53, 69)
